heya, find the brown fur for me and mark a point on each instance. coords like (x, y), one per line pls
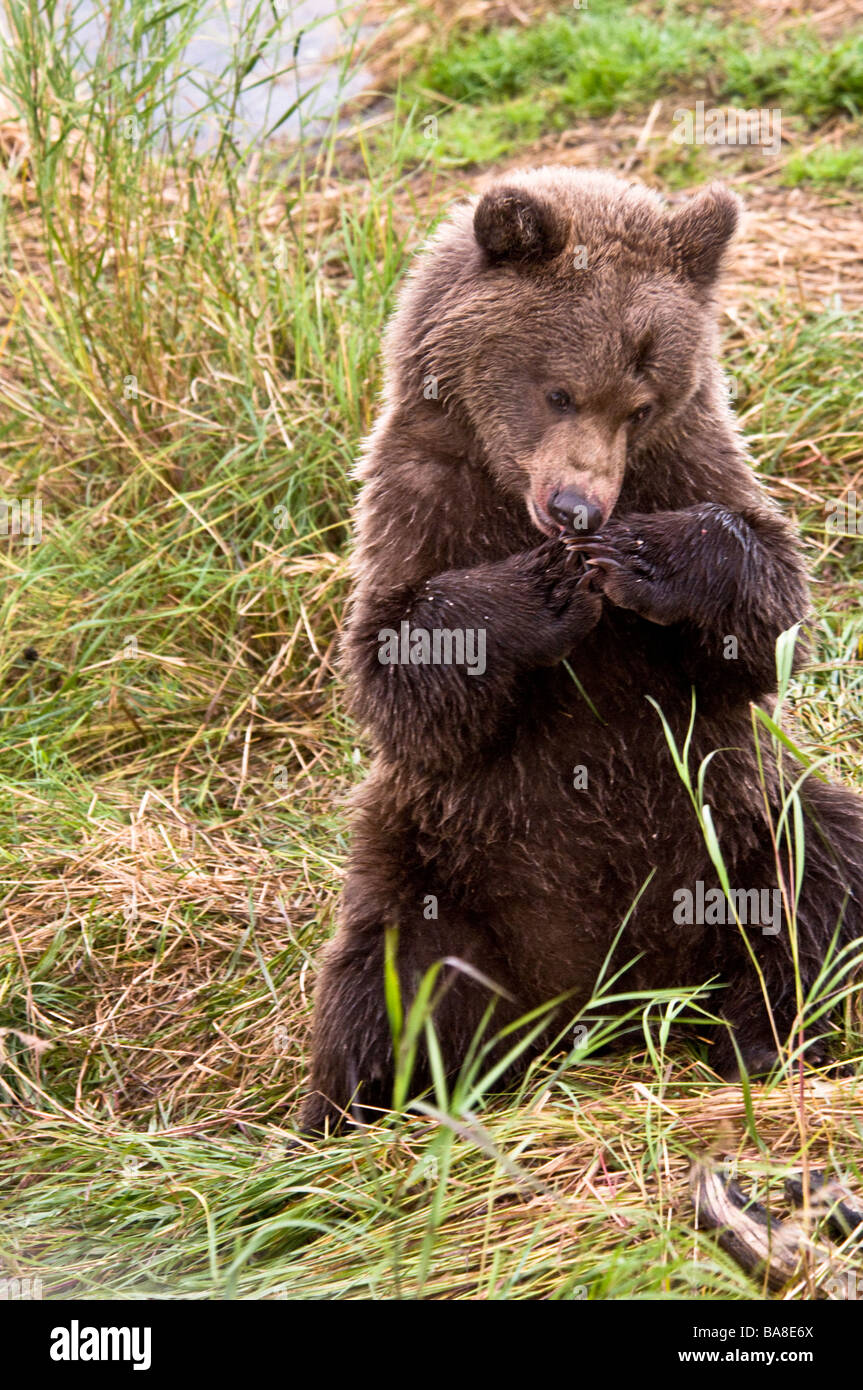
(470, 797)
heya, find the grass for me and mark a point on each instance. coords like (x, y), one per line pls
(826, 168)
(502, 86)
(189, 348)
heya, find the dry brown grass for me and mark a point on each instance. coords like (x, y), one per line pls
(160, 946)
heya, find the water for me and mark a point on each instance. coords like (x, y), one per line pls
(296, 88)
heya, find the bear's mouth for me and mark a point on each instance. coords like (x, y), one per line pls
(542, 521)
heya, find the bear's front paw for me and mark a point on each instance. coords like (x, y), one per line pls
(637, 567)
(568, 605)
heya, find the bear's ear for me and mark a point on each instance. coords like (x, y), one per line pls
(512, 224)
(701, 229)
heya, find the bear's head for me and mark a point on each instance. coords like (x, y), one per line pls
(566, 322)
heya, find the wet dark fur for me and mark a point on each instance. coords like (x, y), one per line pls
(470, 796)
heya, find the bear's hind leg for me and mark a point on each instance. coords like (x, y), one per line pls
(746, 1020)
(352, 1047)
(351, 1041)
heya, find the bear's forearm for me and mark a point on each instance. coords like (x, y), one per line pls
(744, 585)
(739, 618)
(450, 652)
(729, 581)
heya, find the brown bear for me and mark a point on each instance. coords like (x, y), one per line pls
(557, 522)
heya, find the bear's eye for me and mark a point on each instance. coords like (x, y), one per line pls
(639, 415)
(559, 400)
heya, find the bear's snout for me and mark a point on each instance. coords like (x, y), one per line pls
(574, 512)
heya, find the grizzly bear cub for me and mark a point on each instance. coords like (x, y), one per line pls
(557, 522)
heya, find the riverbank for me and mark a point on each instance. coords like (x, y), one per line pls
(188, 362)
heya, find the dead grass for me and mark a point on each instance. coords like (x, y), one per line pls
(160, 942)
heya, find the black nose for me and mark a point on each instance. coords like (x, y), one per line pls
(574, 511)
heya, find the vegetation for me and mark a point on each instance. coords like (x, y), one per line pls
(189, 339)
